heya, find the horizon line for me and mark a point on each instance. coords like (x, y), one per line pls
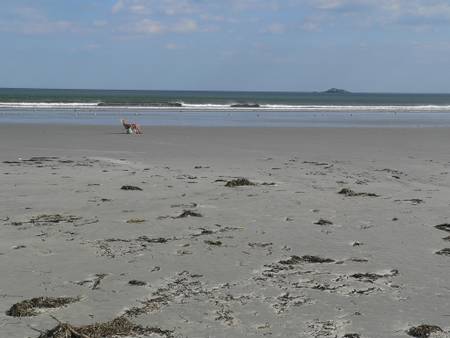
(233, 90)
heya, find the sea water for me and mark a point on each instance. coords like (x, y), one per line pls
(214, 108)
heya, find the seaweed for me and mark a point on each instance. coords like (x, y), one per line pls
(53, 218)
(423, 331)
(215, 243)
(28, 307)
(443, 227)
(238, 182)
(371, 277)
(135, 220)
(413, 201)
(152, 240)
(204, 232)
(137, 282)
(443, 252)
(316, 259)
(293, 260)
(350, 193)
(98, 280)
(130, 187)
(118, 327)
(323, 222)
(188, 213)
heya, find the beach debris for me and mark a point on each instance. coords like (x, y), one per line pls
(350, 193)
(318, 328)
(152, 240)
(224, 314)
(413, 201)
(137, 282)
(394, 172)
(17, 247)
(30, 307)
(188, 213)
(286, 300)
(238, 182)
(351, 335)
(323, 222)
(186, 206)
(293, 260)
(443, 252)
(358, 260)
(41, 159)
(130, 187)
(367, 291)
(98, 280)
(316, 163)
(183, 286)
(214, 243)
(136, 220)
(260, 245)
(423, 331)
(53, 218)
(371, 277)
(446, 238)
(204, 232)
(119, 327)
(443, 227)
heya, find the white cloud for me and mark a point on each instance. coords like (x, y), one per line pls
(149, 27)
(186, 26)
(31, 21)
(145, 26)
(118, 6)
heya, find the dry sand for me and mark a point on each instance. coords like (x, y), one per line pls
(255, 263)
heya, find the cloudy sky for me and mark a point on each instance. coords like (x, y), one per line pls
(292, 45)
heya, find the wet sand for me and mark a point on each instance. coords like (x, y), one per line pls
(334, 237)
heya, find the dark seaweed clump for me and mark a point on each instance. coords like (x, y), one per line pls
(350, 193)
(137, 282)
(444, 252)
(214, 243)
(323, 222)
(423, 331)
(443, 227)
(238, 182)
(130, 187)
(293, 260)
(28, 307)
(189, 213)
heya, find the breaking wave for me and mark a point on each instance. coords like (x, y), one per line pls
(220, 107)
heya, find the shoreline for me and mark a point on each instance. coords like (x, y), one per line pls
(236, 119)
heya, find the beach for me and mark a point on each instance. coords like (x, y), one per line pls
(334, 232)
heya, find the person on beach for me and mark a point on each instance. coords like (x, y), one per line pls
(131, 127)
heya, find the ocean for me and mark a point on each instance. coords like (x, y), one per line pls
(224, 108)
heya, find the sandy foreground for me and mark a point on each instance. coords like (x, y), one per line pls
(286, 257)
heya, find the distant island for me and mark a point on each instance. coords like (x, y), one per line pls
(336, 91)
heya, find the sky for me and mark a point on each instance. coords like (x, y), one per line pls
(263, 45)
